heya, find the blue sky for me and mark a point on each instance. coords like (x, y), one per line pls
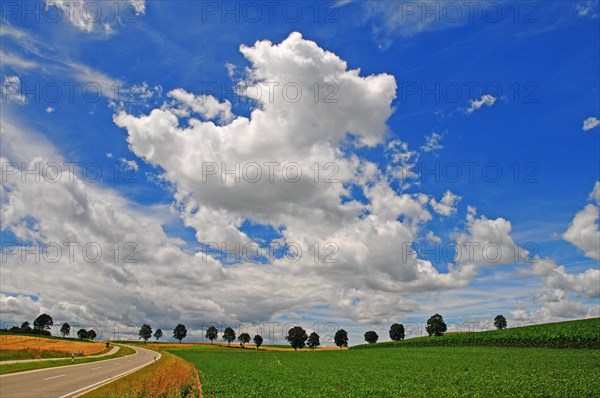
(447, 127)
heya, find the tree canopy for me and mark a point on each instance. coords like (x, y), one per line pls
(436, 325)
(371, 337)
(212, 333)
(244, 338)
(500, 322)
(43, 322)
(65, 329)
(313, 340)
(258, 340)
(229, 335)
(145, 332)
(397, 332)
(341, 338)
(180, 332)
(158, 334)
(297, 337)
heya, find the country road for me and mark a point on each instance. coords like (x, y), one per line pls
(69, 381)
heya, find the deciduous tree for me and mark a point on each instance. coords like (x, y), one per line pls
(500, 322)
(397, 332)
(371, 337)
(212, 333)
(436, 325)
(341, 338)
(313, 340)
(180, 332)
(297, 337)
(229, 335)
(145, 332)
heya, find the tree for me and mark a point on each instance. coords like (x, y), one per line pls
(158, 334)
(145, 332)
(244, 338)
(229, 335)
(258, 340)
(500, 322)
(436, 325)
(341, 338)
(297, 337)
(371, 337)
(180, 332)
(397, 332)
(91, 334)
(212, 333)
(313, 340)
(65, 329)
(82, 334)
(43, 323)
(25, 328)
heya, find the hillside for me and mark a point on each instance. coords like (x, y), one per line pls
(571, 334)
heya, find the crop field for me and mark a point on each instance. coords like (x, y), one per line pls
(572, 334)
(36, 345)
(507, 363)
(402, 372)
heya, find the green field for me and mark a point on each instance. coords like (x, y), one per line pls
(404, 370)
(572, 334)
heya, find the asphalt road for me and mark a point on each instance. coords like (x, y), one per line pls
(69, 381)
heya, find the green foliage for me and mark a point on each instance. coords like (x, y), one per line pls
(244, 338)
(341, 338)
(371, 337)
(158, 334)
(229, 335)
(43, 322)
(414, 372)
(82, 334)
(297, 337)
(397, 332)
(500, 322)
(258, 340)
(91, 334)
(179, 332)
(571, 334)
(313, 340)
(145, 332)
(436, 325)
(65, 329)
(212, 333)
(25, 328)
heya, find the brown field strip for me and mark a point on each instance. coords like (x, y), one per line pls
(13, 343)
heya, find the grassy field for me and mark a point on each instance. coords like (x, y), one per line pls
(453, 369)
(572, 334)
(21, 367)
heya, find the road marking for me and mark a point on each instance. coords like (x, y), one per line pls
(76, 392)
(97, 367)
(116, 363)
(54, 377)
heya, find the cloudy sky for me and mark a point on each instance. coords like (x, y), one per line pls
(328, 164)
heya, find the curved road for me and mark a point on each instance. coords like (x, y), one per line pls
(69, 381)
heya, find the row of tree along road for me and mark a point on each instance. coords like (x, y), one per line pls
(297, 337)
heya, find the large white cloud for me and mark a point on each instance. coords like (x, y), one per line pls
(583, 231)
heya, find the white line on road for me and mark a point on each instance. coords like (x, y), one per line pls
(97, 367)
(54, 377)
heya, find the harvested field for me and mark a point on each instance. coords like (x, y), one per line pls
(34, 343)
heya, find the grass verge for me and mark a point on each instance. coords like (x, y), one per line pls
(169, 377)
